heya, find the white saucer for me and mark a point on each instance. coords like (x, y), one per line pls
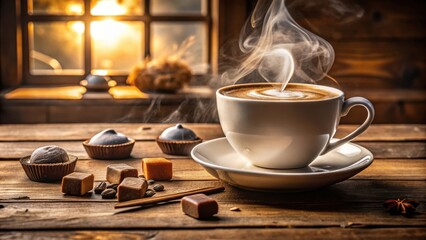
(222, 162)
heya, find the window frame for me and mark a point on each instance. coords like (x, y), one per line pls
(86, 18)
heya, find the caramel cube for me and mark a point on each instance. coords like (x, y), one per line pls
(157, 168)
(131, 188)
(77, 183)
(117, 172)
(199, 206)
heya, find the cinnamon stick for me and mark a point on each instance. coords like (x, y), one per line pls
(165, 198)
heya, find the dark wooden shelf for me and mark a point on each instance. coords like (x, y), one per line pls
(27, 105)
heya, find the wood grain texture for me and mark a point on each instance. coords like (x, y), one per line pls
(17, 150)
(248, 233)
(354, 190)
(379, 65)
(137, 131)
(188, 170)
(350, 209)
(380, 19)
(318, 212)
(149, 131)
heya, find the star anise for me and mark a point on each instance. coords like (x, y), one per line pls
(406, 207)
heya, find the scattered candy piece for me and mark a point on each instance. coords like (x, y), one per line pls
(77, 183)
(157, 168)
(131, 188)
(199, 206)
(117, 172)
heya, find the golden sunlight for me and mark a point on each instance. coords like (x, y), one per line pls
(108, 7)
(108, 31)
(74, 9)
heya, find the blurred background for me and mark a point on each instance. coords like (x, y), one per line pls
(159, 60)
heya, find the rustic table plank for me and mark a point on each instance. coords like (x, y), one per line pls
(145, 131)
(249, 233)
(102, 216)
(187, 169)
(17, 150)
(80, 132)
(347, 191)
(338, 211)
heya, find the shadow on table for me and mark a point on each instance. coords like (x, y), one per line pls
(343, 197)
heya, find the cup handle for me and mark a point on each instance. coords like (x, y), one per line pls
(346, 107)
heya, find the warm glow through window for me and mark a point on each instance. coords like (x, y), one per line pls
(108, 7)
(122, 34)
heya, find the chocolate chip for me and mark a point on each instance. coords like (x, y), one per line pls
(149, 193)
(151, 181)
(113, 186)
(109, 193)
(101, 187)
(159, 187)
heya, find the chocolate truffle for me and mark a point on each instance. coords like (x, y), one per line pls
(178, 133)
(49, 154)
(108, 137)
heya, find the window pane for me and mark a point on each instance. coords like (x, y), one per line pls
(116, 7)
(56, 47)
(167, 39)
(178, 7)
(116, 46)
(55, 7)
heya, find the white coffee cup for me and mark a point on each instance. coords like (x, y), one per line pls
(286, 134)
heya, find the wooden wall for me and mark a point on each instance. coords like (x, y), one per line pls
(383, 49)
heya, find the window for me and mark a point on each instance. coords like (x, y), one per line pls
(65, 40)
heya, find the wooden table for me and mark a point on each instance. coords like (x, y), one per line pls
(350, 209)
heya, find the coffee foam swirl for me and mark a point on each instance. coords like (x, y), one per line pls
(268, 92)
(276, 94)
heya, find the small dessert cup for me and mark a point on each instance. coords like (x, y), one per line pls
(48, 172)
(178, 147)
(108, 152)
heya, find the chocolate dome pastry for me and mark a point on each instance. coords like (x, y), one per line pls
(109, 144)
(48, 164)
(178, 140)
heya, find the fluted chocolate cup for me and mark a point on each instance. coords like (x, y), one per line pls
(48, 172)
(178, 147)
(109, 152)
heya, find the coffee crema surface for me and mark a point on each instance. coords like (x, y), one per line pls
(294, 92)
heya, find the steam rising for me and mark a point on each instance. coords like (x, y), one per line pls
(275, 48)
(280, 50)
